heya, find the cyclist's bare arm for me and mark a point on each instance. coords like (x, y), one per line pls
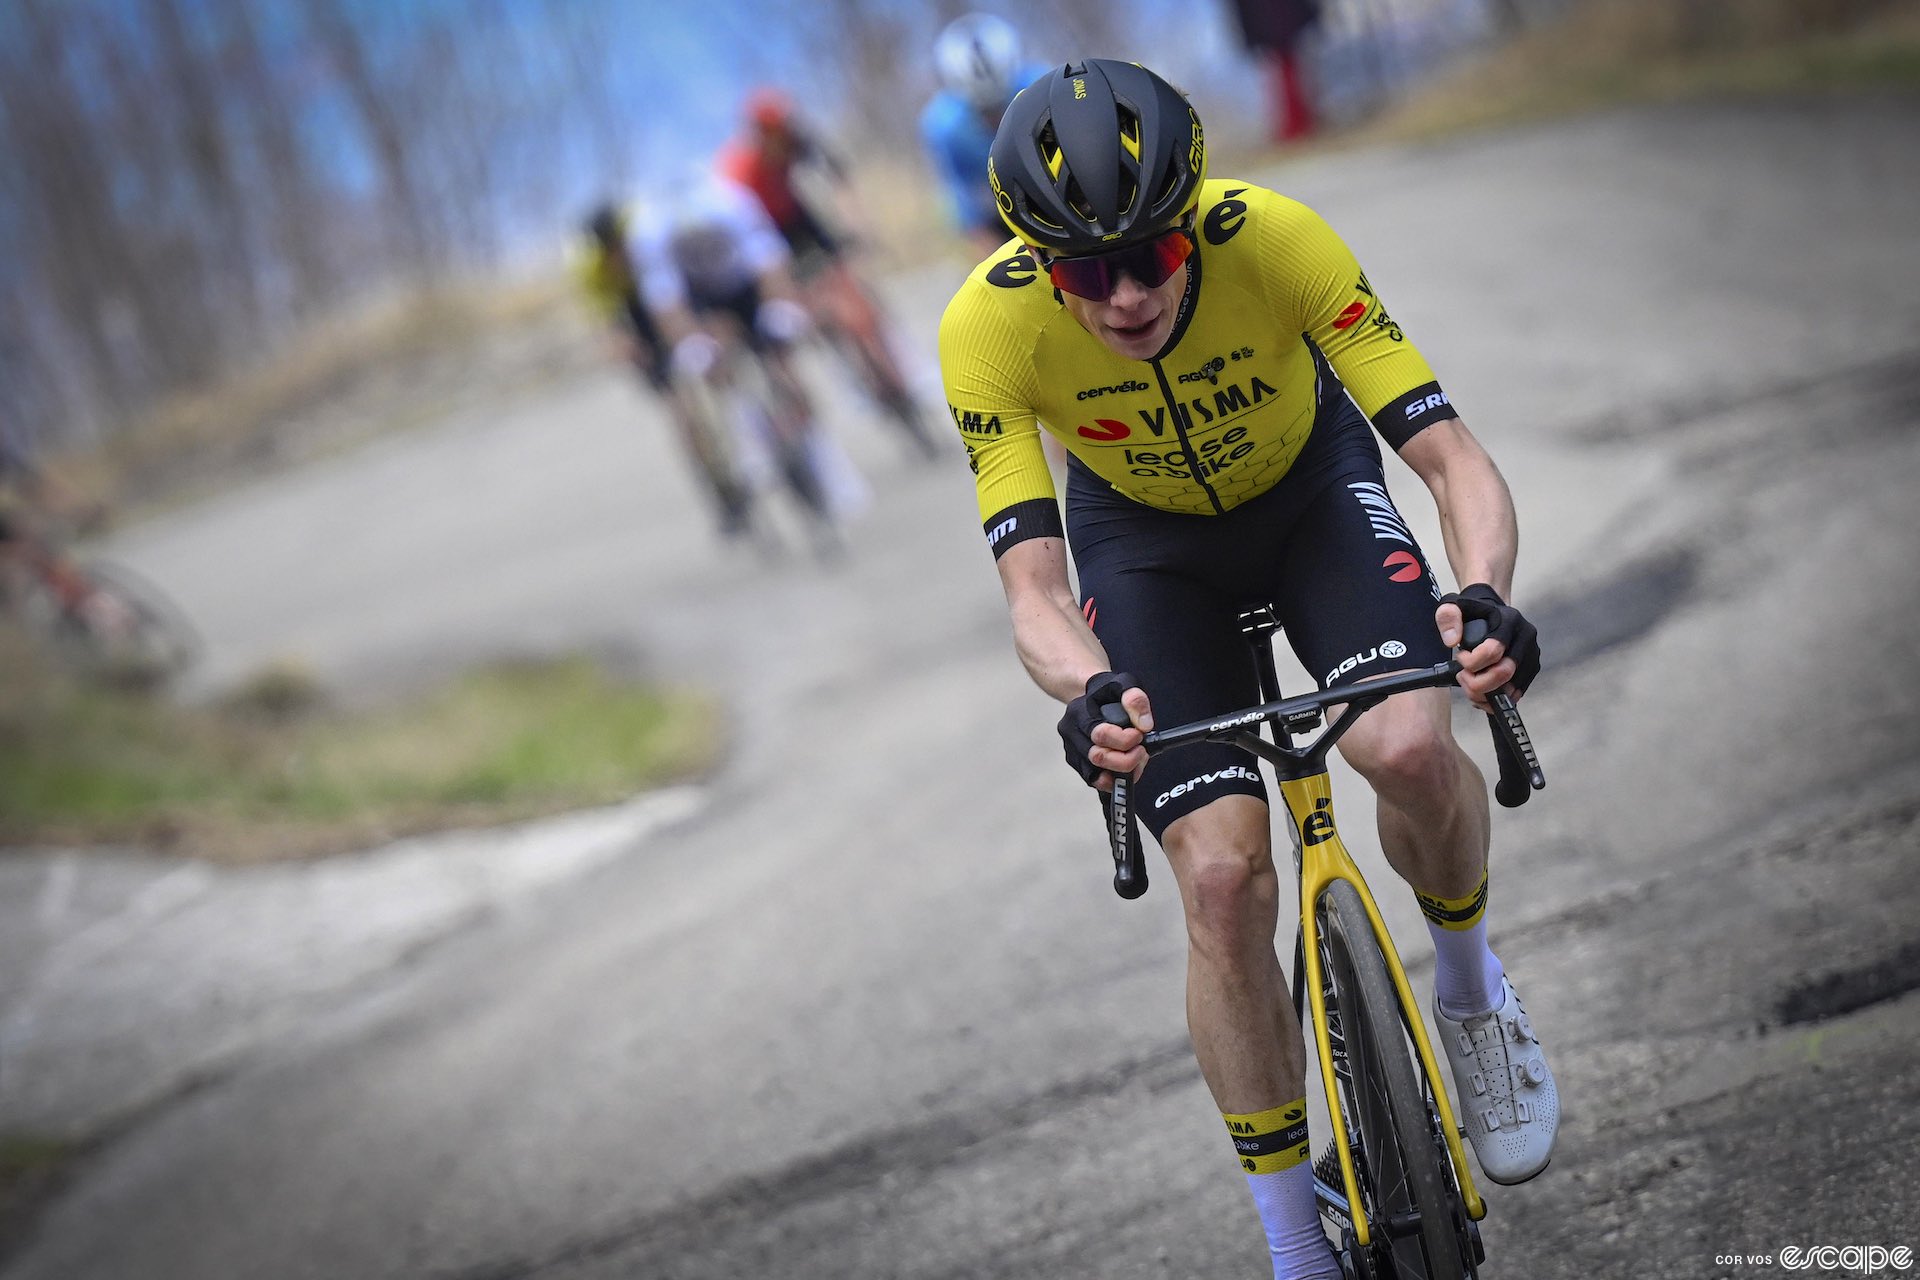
(1481, 532)
(1059, 649)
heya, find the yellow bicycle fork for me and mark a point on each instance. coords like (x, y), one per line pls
(1323, 859)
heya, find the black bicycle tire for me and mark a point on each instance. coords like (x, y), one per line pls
(1405, 1165)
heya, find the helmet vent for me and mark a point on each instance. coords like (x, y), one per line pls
(1166, 188)
(1077, 200)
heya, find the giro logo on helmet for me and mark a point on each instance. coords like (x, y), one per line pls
(1000, 196)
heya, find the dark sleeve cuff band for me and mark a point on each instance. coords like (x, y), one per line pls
(1034, 518)
(1407, 416)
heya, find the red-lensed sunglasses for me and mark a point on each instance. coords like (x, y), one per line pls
(1096, 275)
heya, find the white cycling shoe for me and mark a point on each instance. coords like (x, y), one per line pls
(1508, 1104)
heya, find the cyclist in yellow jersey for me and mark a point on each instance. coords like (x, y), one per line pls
(1210, 354)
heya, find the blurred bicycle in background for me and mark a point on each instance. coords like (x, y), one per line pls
(97, 619)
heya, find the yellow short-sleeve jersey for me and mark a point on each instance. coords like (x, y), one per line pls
(1221, 413)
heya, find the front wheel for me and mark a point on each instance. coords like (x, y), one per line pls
(1419, 1226)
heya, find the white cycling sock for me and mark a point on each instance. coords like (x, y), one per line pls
(1273, 1149)
(1295, 1239)
(1466, 973)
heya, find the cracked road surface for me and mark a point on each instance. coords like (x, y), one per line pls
(873, 1011)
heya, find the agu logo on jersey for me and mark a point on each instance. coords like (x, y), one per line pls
(1208, 372)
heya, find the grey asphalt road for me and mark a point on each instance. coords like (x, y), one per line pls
(872, 1011)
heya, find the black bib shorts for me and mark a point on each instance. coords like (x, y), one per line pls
(1324, 547)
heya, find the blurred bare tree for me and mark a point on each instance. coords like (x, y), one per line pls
(191, 183)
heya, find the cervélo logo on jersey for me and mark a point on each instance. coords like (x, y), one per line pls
(1194, 784)
(1118, 389)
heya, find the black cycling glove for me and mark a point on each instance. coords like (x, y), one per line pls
(1086, 711)
(1505, 624)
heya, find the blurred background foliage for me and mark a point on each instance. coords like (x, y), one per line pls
(205, 192)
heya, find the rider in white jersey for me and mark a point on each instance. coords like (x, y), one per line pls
(711, 260)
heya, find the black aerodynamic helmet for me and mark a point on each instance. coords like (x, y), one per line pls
(1096, 155)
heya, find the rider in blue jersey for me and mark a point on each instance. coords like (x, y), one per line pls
(978, 57)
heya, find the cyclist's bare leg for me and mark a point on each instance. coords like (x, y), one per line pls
(848, 306)
(704, 443)
(858, 313)
(1432, 809)
(1434, 829)
(1245, 1035)
(785, 378)
(1434, 826)
(1239, 1012)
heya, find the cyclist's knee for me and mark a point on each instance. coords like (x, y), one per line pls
(1410, 761)
(1225, 863)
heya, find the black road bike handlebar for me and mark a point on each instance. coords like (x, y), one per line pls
(1520, 772)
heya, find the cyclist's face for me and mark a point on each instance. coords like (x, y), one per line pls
(1136, 320)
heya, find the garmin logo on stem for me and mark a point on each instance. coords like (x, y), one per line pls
(1193, 784)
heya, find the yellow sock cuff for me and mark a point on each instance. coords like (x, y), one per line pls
(1456, 913)
(1273, 1140)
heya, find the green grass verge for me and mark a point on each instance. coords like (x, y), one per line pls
(274, 775)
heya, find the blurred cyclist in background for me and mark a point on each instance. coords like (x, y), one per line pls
(716, 274)
(765, 160)
(978, 58)
(604, 264)
(37, 508)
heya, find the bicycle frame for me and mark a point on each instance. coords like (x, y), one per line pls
(1321, 858)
